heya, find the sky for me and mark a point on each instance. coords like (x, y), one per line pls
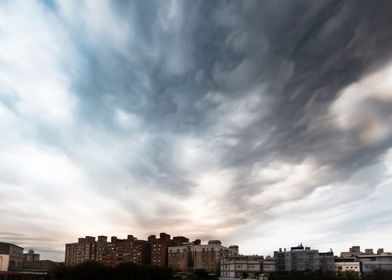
(259, 123)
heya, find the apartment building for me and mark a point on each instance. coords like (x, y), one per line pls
(299, 258)
(192, 256)
(236, 267)
(327, 261)
(159, 247)
(82, 251)
(31, 257)
(123, 250)
(110, 253)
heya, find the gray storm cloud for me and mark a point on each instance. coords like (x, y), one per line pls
(199, 117)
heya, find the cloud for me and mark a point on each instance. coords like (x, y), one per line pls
(246, 121)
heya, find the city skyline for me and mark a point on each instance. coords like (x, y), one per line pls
(262, 124)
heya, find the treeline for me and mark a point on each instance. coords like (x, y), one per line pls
(376, 275)
(124, 271)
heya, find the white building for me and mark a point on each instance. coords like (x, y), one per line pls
(374, 262)
(237, 267)
(347, 265)
(4, 262)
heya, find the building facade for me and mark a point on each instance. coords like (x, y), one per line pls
(369, 260)
(236, 267)
(327, 261)
(299, 258)
(14, 253)
(122, 250)
(193, 256)
(31, 257)
(110, 253)
(347, 265)
(82, 251)
(159, 247)
(372, 262)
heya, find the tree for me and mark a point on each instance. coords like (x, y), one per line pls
(245, 275)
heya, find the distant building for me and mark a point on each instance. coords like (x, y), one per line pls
(11, 256)
(192, 256)
(327, 261)
(347, 265)
(122, 250)
(30, 257)
(159, 247)
(269, 266)
(368, 260)
(82, 251)
(353, 251)
(372, 262)
(299, 258)
(235, 267)
(39, 266)
(110, 253)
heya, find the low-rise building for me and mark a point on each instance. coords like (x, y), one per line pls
(12, 254)
(31, 257)
(269, 266)
(159, 247)
(192, 256)
(372, 262)
(368, 260)
(237, 267)
(347, 265)
(110, 253)
(353, 251)
(39, 266)
(327, 261)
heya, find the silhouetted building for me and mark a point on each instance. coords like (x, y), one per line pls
(39, 266)
(191, 256)
(30, 257)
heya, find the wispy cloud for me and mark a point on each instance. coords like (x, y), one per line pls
(249, 121)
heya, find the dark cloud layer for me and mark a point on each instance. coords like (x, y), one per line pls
(303, 53)
(197, 109)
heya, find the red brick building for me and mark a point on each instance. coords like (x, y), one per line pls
(110, 253)
(123, 250)
(82, 251)
(159, 247)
